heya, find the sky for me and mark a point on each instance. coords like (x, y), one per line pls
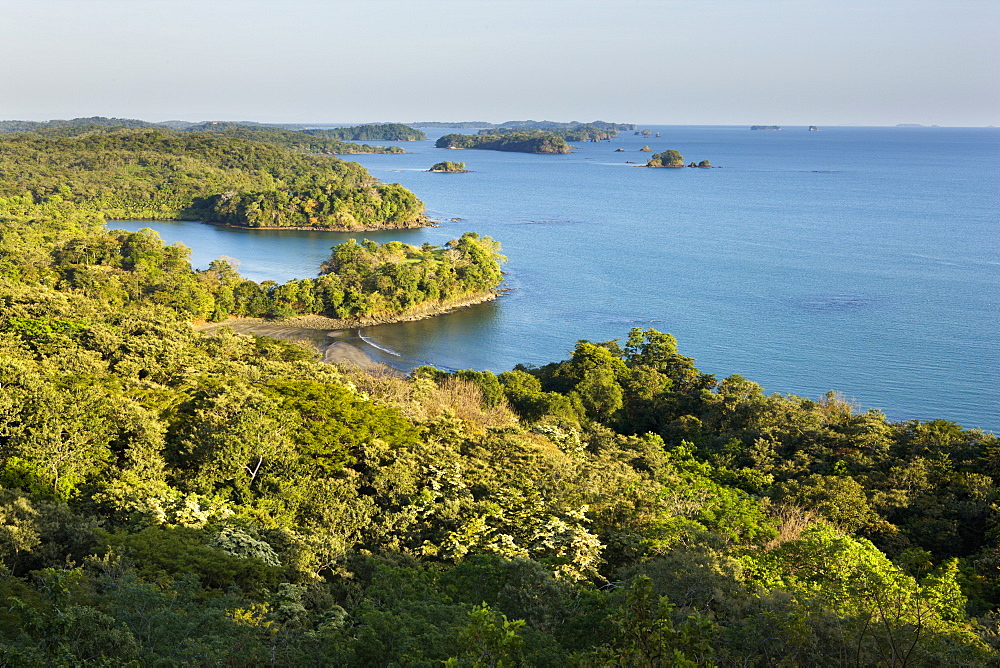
(780, 62)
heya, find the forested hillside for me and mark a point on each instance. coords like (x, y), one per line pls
(234, 177)
(173, 498)
(311, 140)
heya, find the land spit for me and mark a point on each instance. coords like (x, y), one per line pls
(337, 340)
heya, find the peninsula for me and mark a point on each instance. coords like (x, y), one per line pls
(241, 176)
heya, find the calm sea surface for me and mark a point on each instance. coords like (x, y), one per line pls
(861, 260)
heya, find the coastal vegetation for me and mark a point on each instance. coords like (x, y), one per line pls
(532, 136)
(669, 158)
(307, 140)
(173, 498)
(370, 132)
(531, 141)
(240, 176)
(448, 166)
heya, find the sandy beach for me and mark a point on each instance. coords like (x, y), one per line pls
(336, 340)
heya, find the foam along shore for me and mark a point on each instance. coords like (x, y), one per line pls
(337, 340)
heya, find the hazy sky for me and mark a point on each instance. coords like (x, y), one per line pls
(825, 62)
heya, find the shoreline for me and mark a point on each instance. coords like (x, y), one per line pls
(331, 337)
(422, 223)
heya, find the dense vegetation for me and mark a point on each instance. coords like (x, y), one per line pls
(373, 132)
(532, 141)
(358, 281)
(669, 158)
(574, 133)
(326, 142)
(448, 166)
(225, 177)
(98, 121)
(169, 498)
(532, 136)
(302, 141)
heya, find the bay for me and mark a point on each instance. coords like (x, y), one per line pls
(860, 260)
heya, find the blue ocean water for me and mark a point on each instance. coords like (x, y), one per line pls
(861, 260)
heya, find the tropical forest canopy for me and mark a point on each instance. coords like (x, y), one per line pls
(173, 498)
(239, 176)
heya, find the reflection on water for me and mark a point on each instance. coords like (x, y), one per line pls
(458, 337)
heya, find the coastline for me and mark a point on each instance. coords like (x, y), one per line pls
(424, 221)
(333, 337)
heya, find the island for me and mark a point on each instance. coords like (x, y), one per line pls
(533, 141)
(370, 132)
(704, 164)
(532, 136)
(645, 149)
(765, 127)
(447, 167)
(669, 158)
(237, 176)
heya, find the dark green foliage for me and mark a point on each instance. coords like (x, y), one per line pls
(534, 141)
(375, 132)
(304, 141)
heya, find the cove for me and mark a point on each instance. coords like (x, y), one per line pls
(861, 260)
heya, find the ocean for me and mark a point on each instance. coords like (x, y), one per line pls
(856, 259)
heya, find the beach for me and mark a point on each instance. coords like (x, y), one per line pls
(337, 340)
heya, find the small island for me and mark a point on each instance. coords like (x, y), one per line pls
(704, 164)
(645, 149)
(765, 127)
(447, 167)
(532, 136)
(669, 158)
(529, 141)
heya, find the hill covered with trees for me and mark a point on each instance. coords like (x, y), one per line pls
(331, 141)
(173, 498)
(240, 176)
(531, 141)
